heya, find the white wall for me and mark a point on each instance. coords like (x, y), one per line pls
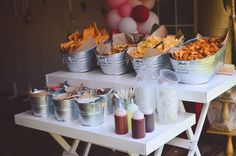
(30, 50)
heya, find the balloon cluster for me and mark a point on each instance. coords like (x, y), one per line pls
(131, 16)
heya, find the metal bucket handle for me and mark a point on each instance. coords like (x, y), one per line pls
(66, 57)
(181, 64)
(99, 58)
(137, 61)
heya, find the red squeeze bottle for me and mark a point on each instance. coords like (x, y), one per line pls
(121, 122)
(138, 125)
(149, 120)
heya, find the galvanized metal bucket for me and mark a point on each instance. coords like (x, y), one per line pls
(115, 64)
(91, 113)
(199, 71)
(108, 98)
(41, 103)
(155, 63)
(80, 61)
(66, 110)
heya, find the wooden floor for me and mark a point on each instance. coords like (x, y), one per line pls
(20, 141)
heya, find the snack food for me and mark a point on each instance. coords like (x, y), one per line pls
(155, 42)
(118, 48)
(108, 49)
(75, 40)
(199, 49)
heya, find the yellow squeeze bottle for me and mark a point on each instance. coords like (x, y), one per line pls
(131, 108)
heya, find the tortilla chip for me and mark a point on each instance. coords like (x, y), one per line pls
(75, 40)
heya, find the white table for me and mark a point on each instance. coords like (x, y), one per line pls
(104, 134)
(203, 93)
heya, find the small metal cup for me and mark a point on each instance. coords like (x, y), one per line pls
(91, 113)
(41, 103)
(109, 101)
(66, 110)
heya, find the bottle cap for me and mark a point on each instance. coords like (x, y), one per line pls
(132, 106)
(147, 111)
(138, 115)
(120, 112)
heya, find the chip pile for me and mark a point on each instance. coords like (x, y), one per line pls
(76, 39)
(158, 43)
(199, 49)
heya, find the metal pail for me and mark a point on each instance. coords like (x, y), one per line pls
(66, 110)
(41, 103)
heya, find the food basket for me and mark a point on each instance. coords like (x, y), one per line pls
(91, 110)
(155, 62)
(79, 50)
(200, 70)
(114, 64)
(81, 61)
(112, 57)
(153, 51)
(65, 109)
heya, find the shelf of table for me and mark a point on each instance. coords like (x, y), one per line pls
(104, 135)
(203, 93)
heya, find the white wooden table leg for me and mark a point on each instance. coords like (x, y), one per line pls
(189, 132)
(198, 151)
(194, 150)
(65, 153)
(191, 153)
(69, 150)
(201, 120)
(61, 141)
(74, 146)
(158, 152)
(198, 130)
(195, 137)
(87, 149)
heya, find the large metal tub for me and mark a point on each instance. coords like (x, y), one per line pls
(199, 71)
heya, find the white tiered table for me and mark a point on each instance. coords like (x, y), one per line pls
(104, 135)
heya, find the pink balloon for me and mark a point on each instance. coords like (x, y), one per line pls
(115, 3)
(113, 18)
(145, 28)
(133, 3)
(125, 9)
(128, 25)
